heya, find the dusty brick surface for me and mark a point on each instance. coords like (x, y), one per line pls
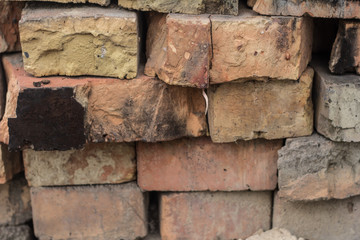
(10, 164)
(313, 168)
(249, 46)
(89, 212)
(95, 164)
(274, 234)
(213, 215)
(96, 109)
(313, 8)
(80, 41)
(15, 204)
(197, 164)
(270, 110)
(99, 2)
(321, 220)
(345, 54)
(179, 49)
(21, 232)
(337, 100)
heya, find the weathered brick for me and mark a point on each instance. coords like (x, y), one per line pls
(89, 212)
(96, 109)
(10, 164)
(80, 41)
(270, 110)
(337, 104)
(179, 49)
(312, 168)
(313, 8)
(21, 232)
(274, 234)
(213, 215)
(345, 54)
(183, 6)
(95, 164)
(100, 2)
(249, 46)
(15, 204)
(197, 164)
(10, 14)
(320, 220)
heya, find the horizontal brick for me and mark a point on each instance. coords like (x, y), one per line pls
(179, 49)
(270, 110)
(252, 47)
(15, 204)
(89, 212)
(320, 220)
(197, 164)
(213, 215)
(22, 232)
(10, 14)
(345, 54)
(10, 164)
(337, 100)
(312, 168)
(96, 110)
(80, 41)
(100, 2)
(313, 8)
(95, 164)
(183, 6)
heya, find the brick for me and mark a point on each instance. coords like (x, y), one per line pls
(10, 14)
(95, 110)
(345, 54)
(10, 164)
(213, 215)
(80, 41)
(89, 212)
(179, 49)
(95, 164)
(270, 110)
(15, 204)
(21, 232)
(337, 100)
(183, 6)
(313, 168)
(275, 233)
(321, 220)
(313, 8)
(282, 48)
(99, 2)
(197, 164)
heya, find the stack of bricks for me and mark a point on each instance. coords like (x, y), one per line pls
(180, 119)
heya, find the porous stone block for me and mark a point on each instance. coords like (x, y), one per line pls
(99, 2)
(95, 164)
(270, 110)
(22, 232)
(197, 164)
(89, 212)
(10, 164)
(249, 46)
(337, 104)
(80, 41)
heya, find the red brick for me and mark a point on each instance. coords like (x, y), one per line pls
(213, 215)
(89, 212)
(195, 164)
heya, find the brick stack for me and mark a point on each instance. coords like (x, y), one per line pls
(174, 119)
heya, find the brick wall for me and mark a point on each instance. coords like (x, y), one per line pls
(179, 119)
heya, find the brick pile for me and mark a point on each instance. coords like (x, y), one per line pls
(169, 119)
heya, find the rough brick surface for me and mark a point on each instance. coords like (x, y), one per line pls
(337, 104)
(89, 212)
(10, 14)
(15, 204)
(80, 41)
(271, 110)
(21, 232)
(179, 49)
(314, 8)
(274, 234)
(183, 6)
(345, 54)
(259, 47)
(198, 164)
(10, 164)
(100, 2)
(320, 220)
(217, 215)
(312, 168)
(97, 109)
(95, 164)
